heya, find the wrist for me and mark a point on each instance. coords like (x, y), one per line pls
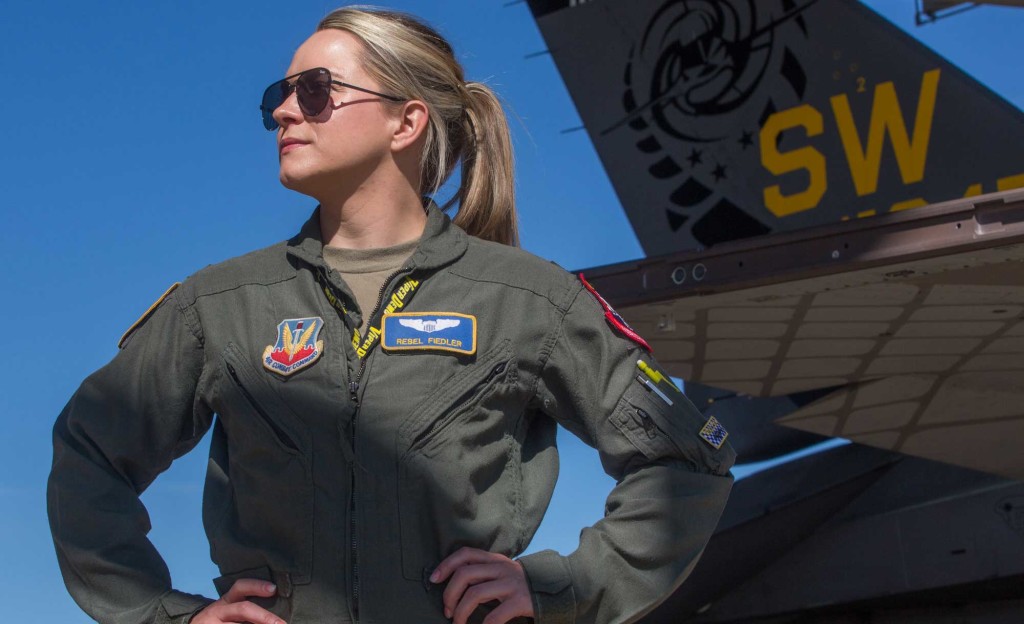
(549, 578)
(179, 607)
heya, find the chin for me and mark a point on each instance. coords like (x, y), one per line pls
(305, 184)
(294, 181)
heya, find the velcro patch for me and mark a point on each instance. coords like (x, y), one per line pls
(429, 331)
(297, 346)
(146, 314)
(714, 433)
(614, 319)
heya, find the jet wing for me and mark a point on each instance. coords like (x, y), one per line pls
(913, 320)
(856, 534)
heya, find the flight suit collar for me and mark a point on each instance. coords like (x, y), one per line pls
(442, 242)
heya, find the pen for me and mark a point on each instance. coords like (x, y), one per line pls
(653, 388)
(654, 375)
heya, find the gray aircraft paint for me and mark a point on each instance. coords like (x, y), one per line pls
(680, 98)
(854, 533)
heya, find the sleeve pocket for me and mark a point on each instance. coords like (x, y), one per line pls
(659, 430)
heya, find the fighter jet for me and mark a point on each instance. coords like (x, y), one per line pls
(834, 221)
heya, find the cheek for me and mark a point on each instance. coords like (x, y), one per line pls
(352, 147)
(355, 140)
(361, 126)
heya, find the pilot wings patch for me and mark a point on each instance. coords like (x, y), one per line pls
(429, 331)
(429, 326)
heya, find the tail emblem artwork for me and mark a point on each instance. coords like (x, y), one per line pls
(297, 346)
(720, 120)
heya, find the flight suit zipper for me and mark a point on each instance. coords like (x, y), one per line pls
(353, 388)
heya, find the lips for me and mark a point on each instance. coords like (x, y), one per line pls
(289, 145)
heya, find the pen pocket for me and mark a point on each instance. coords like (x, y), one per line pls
(659, 430)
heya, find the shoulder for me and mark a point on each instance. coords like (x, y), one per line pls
(486, 261)
(260, 267)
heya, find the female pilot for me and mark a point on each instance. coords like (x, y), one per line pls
(387, 385)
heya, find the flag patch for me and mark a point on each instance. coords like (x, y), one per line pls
(714, 433)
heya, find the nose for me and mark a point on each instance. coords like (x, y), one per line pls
(288, 112)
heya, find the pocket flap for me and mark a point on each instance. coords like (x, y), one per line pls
(176, 604)
(263, 573)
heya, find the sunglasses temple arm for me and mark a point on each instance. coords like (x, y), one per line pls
(386, 97)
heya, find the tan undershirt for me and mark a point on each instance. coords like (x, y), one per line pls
(364, 270)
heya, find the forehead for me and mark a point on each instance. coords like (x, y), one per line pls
(334, 49)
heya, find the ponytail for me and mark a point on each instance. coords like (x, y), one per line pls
(466, 121)
(487, 202)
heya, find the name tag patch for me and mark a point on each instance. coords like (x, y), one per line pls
(433, 331)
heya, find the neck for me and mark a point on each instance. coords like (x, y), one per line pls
(371, 218)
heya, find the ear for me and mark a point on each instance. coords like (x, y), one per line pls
(412, 124)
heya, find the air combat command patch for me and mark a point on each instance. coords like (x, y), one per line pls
(297, 346)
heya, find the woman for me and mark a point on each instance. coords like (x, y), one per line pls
(387, 386)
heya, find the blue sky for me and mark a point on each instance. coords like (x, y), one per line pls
(134, 156)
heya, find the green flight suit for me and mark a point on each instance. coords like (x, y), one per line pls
(346, 487)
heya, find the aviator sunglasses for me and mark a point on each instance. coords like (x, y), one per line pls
(312, 89)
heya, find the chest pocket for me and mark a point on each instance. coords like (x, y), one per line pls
(459, 456)
(258, 508)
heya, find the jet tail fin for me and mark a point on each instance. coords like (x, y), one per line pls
(725, 119)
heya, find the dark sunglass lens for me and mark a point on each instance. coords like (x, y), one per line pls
(314, 90)
(273, 97)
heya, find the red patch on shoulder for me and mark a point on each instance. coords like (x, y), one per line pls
(614, 319)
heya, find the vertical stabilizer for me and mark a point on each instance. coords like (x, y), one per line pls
(724, 119)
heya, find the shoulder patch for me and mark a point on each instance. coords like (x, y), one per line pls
(714, 433)
(146, 315)
(613, 317)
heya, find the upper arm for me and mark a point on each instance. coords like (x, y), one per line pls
(592, 385)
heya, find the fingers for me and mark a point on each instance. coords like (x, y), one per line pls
(243, 588)
(234, 605)
(509, 610)
(471, 574)
(248, 612)
(461, 557)
(477, 577)
(476, 596)
(230, 612)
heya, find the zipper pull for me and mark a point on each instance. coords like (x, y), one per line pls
(353, 389)
(647, 422)
(497, 370)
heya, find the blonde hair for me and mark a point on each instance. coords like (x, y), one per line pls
(466, 121)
